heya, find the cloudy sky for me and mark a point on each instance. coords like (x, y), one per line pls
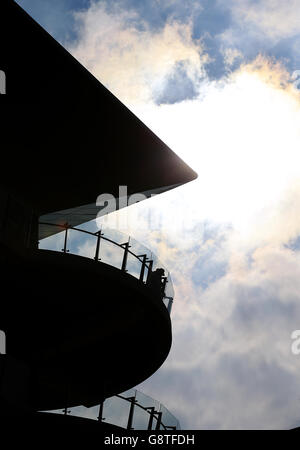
(217, 81)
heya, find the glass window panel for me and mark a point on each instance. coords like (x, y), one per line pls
(116, 411)
(55, 242)
(81, 244)
(133, 266)
(168, 420)
(140, 418)
(111, 254)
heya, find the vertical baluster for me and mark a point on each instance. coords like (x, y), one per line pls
(131, 412)
(99, 235)
(66, 239)
(100, 415)
(158, 423)
(124, 262)
(152, 413)
(143, 266)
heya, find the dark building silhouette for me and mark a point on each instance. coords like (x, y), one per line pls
(77, 331)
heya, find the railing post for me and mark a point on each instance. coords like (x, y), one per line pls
(143, 266)
(158, 423)
(126, 248)
(99, 234)
(100, 416)
(66, 239)
(152, 413)
(131, 412)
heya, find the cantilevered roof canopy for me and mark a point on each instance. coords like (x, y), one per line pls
(65, 138)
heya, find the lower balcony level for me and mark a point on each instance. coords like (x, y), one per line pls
(132, 410)
(85, 329)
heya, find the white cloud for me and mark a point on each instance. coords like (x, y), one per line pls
(274, 19)
(262, 26)
(130, 59)
(231, 55)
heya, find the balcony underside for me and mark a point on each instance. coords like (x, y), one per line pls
(87, 330)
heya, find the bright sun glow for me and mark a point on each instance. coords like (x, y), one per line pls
(243, 139)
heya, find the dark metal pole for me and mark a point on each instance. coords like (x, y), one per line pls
(131, 412)
(143, 267)
(152, 412)
(100, 416)
(66, 238)
(99, 234)
(158, 423)
(124, 263)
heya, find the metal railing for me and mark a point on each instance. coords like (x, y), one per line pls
(132, 410)
(158, 280)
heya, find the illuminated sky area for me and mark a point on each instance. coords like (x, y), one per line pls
(216, 81)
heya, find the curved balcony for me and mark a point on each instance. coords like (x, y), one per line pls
(109, 247)
(93, 312)
(133, 410)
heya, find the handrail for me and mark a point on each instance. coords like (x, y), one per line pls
(156, 279)
(157, 415)
(156, 411)
(66, 226)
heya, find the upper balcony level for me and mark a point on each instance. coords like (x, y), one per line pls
(115, 249)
